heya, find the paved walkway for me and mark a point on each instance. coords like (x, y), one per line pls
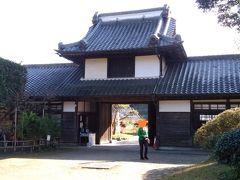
(116, 161)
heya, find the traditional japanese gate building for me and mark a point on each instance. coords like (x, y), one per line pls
(135, 57)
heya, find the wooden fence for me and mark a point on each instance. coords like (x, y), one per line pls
(30, 145)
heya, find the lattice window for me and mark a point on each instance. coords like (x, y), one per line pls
(206, 117)
(213, 106)
(235, 105)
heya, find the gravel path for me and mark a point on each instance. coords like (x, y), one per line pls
(70, 162)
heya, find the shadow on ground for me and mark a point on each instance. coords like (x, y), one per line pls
(113, 153)
(160, 173)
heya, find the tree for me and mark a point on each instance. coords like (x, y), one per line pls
(125, 110)
(12, 82)
(228, 11)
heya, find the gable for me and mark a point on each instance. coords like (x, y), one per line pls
(130, 32)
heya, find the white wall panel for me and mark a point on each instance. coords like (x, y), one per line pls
(69, 106)
(174, 106)
(83, 106)
(147, 66)
(96, 68)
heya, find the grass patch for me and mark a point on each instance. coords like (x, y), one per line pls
(121, 136)
(208, 170)
(130, 131)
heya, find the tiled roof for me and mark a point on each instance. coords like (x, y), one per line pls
(110, 36)
(112, 87)
(124, 31)
(43, 80)
(206, 75)
(65, 80)
(198, 76)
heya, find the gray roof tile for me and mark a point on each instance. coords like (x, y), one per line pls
(206, 75)
(125, 34)
(198, 76)
(43, 80)
(65, 80)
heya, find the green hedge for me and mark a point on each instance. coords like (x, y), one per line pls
(12, 81)
(227, 149)
(207, 135)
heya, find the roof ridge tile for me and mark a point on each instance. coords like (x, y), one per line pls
(50, 65)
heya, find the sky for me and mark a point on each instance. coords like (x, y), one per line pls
(31, 29)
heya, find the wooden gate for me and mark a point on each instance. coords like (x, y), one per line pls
(104, 121)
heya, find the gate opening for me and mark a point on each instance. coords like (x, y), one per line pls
(125, 119)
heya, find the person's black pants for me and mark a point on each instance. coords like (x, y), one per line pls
(145, 144)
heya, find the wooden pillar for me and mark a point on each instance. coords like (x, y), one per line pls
(228, 104)
(151, 122)
(15, 128)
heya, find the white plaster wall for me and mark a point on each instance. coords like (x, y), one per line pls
(147, 66)
(69, 106)
(81, 107)
(96, 68)
(174, 106)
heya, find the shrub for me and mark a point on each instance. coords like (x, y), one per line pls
(49, 126)
(227, 149)
(33, 127)
(207, 135)
(28, 126)
(238, 126)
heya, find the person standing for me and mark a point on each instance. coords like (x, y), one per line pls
(143, 142)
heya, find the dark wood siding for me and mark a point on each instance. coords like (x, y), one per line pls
(173, 129)
(92, 122)
(123, 66)
(69, 128)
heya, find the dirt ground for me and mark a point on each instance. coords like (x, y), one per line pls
(120, 162)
